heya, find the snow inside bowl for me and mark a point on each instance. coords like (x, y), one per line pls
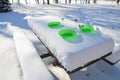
(54, 24)
(87, 29)
(67, 34)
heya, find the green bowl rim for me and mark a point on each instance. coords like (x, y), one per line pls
(63, 31)
(58, 23)
(90, 28)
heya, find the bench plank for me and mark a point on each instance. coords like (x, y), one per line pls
(32, 65)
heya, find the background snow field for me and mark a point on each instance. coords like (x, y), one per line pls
(107, 16)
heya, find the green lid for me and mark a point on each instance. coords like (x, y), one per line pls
(87, 29)
(67, 34)
(55, 24)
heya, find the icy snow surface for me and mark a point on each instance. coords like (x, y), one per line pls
(102, 15)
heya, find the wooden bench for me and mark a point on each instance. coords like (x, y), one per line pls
(32, 65)
(88, 48)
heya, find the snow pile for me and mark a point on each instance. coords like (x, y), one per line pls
(32, 66)
(68, 53)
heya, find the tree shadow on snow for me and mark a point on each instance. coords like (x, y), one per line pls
(99, 70)
(3, 32)
(102, 16)
(15, 18)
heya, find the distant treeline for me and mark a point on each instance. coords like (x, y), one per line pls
(65, 1)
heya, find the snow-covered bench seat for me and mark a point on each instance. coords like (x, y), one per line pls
(115, 57)
(72, 55)
(32, 66)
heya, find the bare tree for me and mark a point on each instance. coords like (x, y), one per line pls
(117, 1)
(56, 1)
(43, 1)
(37, 2)
(88, 1)
(95, 1)
(48, 2)
(65, 1)
(18, 1)
(12, 1)
(76, 1)
(83, 1)
(69, 1)
(80, 1)
(26, 2)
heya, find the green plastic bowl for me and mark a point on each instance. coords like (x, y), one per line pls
(67, 34)
(55, 24)
(87, 29)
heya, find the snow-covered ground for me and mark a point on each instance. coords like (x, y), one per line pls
(102, 15)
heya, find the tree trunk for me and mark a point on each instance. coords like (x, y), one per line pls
(26, 2)
(48, 2)
(65, 1)
(37, 2)
(56, 1)
(18, 2)
(94, 1)
(69, 1)
(117, 1)
(76, 1)
(43, 1)
(88, 1)
(12, 1)
(81, 2)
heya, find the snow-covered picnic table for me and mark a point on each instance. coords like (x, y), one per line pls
(71, 54)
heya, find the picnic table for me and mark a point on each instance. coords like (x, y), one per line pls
(71, 54)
